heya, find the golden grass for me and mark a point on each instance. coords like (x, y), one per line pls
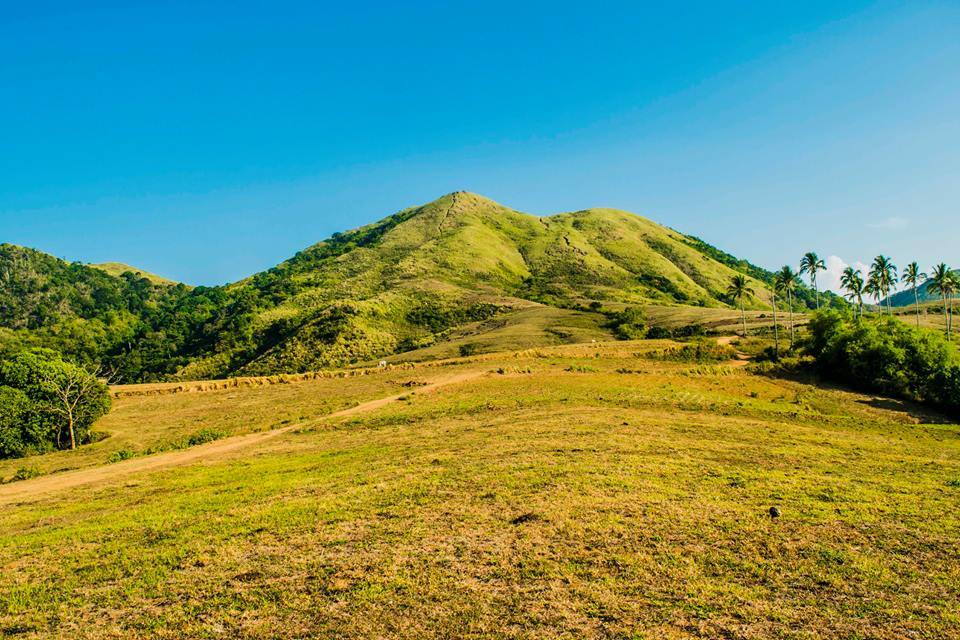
(562, 498)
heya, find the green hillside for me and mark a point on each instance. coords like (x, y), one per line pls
(410, 281)
(119, 268)
(905, 298)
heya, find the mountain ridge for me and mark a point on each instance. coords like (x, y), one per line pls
(400, 283)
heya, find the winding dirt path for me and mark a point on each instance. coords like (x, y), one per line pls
(742, 359)
(29, 489)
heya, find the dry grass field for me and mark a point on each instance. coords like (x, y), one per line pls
(584, 491)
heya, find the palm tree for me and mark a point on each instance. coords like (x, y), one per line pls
(885, 273)
(739, 288)
(810, 264)
(940, 282)
(944, 282)
(914, 277)
(786, 280)
(852, 281)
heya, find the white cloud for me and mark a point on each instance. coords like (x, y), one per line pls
(893, 223)
(830, 279)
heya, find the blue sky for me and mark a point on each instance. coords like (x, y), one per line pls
(205, 141)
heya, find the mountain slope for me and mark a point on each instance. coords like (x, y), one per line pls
(405, 282)
(905, 298)
(119, 268)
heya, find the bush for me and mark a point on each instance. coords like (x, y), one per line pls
(25, 473)
(47, 403)
(468, 349)
(699, 352)
(121, 455)
(888, 356)
(629, 324)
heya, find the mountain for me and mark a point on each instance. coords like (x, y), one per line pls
(905, 298)
(119, 268)
(405, 282)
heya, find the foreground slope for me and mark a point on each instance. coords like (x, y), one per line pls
(577, 491)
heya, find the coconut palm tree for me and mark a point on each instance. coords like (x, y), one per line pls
(786, 279)
(914, 277)
(852, 281)
(738, 289)
(810, 264)
(943, 281)
(885, 273)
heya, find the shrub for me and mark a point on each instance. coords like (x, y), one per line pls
(629, 324)
(25, 473)
(888, 356)
(468, 349)
(203, 436)
(699, 352)
(121, 455)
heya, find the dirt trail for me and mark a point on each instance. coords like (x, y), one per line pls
(28, 489)
(742, 359)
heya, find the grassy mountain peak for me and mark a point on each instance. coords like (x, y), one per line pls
(405, 282)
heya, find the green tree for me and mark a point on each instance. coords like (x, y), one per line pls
(942, 282)
(852, 282)
(66, 399)
(15, 422)
(810, 264)
(914, 277)
(885, 273)
(738, 289)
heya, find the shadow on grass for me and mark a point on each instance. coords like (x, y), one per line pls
(804, 373)
(920, 413)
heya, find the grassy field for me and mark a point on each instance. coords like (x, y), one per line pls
(562, 492)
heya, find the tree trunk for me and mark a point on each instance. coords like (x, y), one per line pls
(790, 303)
(743, 318)
(776, 330)
(73, 438)
(946, 324)
(816, 290)
(916, 302)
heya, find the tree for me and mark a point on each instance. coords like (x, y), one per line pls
(810, 264)
(739, 288)
(786, 281)
(66, 399)
(885, 273)
(943, 282)
(15, 422)
(852, 281)
(914, 277)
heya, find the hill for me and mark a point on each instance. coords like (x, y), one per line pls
(415, 279)
(905, 298)
(119, 268)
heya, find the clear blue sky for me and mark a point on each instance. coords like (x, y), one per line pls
(205, 141)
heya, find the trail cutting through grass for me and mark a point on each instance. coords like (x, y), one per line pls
(28, 489)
